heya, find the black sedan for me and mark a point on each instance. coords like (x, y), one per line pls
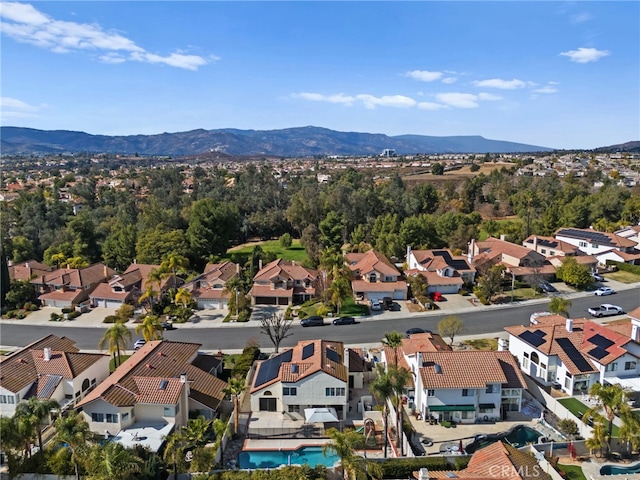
(345, 321)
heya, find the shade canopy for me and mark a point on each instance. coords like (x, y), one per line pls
(321, 415)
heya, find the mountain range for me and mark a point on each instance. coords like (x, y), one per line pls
(289, 142)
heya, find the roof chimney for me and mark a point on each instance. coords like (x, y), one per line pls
(183, 377)
(259, 264)
(569, 325)
(535, 243)
(47, 354)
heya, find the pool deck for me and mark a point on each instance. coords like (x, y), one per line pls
(293, 444)
(591, 471)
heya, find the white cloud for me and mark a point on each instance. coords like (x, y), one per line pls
(501, 84)
(581, 17)
(318, 97)
(547, 89)
(489, 97)
(25, 24)
(449, 80)
(431, 106)
(585, 55)
(459, 100)
(424, 75)
(397, 101)
(14, 108)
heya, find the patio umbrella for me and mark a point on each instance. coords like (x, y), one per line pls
(320, 415)
(460, 449)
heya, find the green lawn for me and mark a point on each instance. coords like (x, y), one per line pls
(295, 252)
(577, 408)
(349, 308)
(623, 277)
(571, 472)
(112, 366)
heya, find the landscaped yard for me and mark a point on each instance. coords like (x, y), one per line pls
(349, 308)
(571, 472)
(483, 344)
(578, 409)
(622, 276)
(295, 252)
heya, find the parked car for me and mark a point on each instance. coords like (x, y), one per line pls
(387, 303)
(139, 344)
(344, 321)
(415, 330)
(605, 310)
(375, 305)
(604, 291)
(546, 287)
(313, 321)
(168, 326)
(597, 277)
(436, 296)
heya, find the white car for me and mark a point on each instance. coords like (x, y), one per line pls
(375, 305)
(139, 344)
(605, 310)
(604, 291)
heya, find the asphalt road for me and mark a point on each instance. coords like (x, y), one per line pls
(485, 321)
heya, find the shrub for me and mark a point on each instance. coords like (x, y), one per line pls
(244, 362)
(244, 315)
(68, 309)
(74, 314)
(404, 467)
(54, 317)
(323, 311)
(111, 319)
(285, 240)
(31, 307)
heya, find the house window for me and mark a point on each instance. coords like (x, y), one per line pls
(567, 383)
(543, 250)
(97, 417)
(125, 416)
(629, 365)
(466, 392)
(489, 389)
(289, 391)
(170, 411)
(525, 360)
(10, 399)
(485, 410)
(595, 245)
(552, 252)
(298, 282)
(335, 391)
(372, 278)
(431, 393)
(612, 367)
(294, 408)
(111, 418)
(3, 399)
(582, 244)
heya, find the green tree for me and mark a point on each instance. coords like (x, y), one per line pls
(119, 248)
(237, 385)
(155, 245)
(611, 400)
(183, 297)
(73, 431)
(560, 306)
(285, 240)
(490, 283)
(113, 462)
(344, 445)
(174, 449)
(339, 290)
(116, 338)
(418, 284)
(437, 169)
(393, 340)
(450, 326)
(573, 273)
(150, 328)
(381, 386)
(331, 231)
(40, 410)
(5, 281)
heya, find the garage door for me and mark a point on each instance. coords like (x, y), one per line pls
(208, 305)
(112, 304)
(266, 300)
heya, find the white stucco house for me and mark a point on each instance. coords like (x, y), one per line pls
(603, 245)
(443, 271)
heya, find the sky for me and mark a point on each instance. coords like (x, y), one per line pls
(562, 75)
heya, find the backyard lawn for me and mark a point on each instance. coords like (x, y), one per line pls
(578, 409)
(295, 252)
(571, 472)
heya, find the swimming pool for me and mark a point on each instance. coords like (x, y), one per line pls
(311, 456)
(518, 436)
(615, 470)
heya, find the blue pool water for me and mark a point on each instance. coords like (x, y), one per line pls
(615, 470)
(518, 436)
(311, 456)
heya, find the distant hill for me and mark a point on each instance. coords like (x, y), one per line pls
(631, 147)
(289, 142)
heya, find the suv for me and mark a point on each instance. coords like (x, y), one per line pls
(387, 303)
(313, 321)
(375, 304)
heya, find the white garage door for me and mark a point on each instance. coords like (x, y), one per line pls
(208, 304)
(112, 304)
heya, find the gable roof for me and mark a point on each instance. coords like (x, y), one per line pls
(158, 360)
(371, 261)
(492, 249)
(304, 360)
(75, 277)
(603, 239)
(432, 260)
(25, 270)
(21, 368)
(286, 269)
(551, 243)
(451, 369)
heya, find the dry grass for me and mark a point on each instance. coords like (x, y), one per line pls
(483, 344)
(623, 277)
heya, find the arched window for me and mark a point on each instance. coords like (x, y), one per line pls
(534, 358)
(85, 385)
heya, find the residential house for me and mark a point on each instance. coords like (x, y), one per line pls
(375, 277)
(576, 353)
(283, 282)
(443, 388)
(521, 262)
(27, 270)
(156, 389)
(67, 287)
(497, 461)
(128, 286)
(630, 232)
(209, 289)
(313, 374)
(603, 245)
(51, 368)
(443, 271)
(555, 251)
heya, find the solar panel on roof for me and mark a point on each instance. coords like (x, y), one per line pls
(49, 386)
(574, 355)
(594, 237)
(333, 355)
(531, 338)
(601, 341)
(540, 333)
(598, 353)
(269, 368)
(307, 351)
(457, 264)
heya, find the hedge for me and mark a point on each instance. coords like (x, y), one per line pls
(404, 467)
(626, 267)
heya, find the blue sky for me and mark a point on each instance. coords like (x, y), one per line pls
(553, 74)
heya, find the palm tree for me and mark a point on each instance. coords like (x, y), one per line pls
(25, 425)
(73, 431)
(560, 306)
(629, 432)
(340, 289)
(196, 432)
(173, 265)
(148, 296)
(116, 337)
(381, 387)
(237, 385)
(598, 434)
(174, 451)
(393, 340)
(150, 328)
(114, 462)
(41, 409)
(184, 297)
(343, 444)
(399, 378)
(220, 428)
(611, 400)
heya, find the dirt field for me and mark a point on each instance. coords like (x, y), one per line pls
(455, 175)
